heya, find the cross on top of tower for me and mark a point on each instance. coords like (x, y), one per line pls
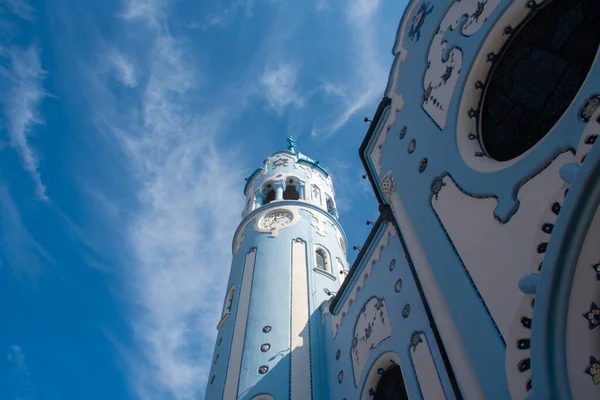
(292, 144)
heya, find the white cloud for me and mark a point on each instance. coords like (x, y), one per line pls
(17, 379)
(22, 76)
(189, 196)
(23, 253)
(368, 73)
(227, 15)
(123, 68)
(21, 9)
(278, 84)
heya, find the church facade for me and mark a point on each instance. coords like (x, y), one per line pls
(481, 277)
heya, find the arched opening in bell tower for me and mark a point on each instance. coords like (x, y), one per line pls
(290, 192)
(269, 194)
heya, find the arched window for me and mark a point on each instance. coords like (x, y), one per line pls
(320, 255)
(290, 192)
(391, 385)
(269, 194)
(315, 194)
(537, 75)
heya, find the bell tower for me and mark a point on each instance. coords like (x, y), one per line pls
(289, 256)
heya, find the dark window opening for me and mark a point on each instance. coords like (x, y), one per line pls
(270, 196)
(320, 254)
(291, 193)
(391, 385)
(538, 73)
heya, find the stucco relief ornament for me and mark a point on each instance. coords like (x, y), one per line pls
(593, 370)
(280, 162)
(415, 340)
(589, 108)
(403, 132)
(593, 316)
(411, 146)
(387, 185)
(414, 33)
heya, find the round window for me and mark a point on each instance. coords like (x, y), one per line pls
(537, 74)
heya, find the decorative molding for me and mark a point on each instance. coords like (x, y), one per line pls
(372, 327)
(337, 319)
(444, 61)
(427, 374)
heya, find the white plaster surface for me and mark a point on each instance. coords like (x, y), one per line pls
(239, 330)
(438, 103)
(583, 342)
(464, 372)
(372, 327)
(300, 340)
(497, 255)
(427, 375)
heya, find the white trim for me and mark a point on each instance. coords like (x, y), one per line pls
(466, 377)
(239, 331)
(427, 374)
(300, 340)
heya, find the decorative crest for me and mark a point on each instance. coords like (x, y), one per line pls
(292, 145)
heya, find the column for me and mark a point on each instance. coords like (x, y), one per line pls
(279, 188)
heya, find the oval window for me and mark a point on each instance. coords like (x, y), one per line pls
(537, 74)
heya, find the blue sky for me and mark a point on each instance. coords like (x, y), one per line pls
(126, 131)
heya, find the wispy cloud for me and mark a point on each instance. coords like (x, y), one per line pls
(22, 252)
(368, 72)
(227, 15)
(19, 386)
(22, 77)
(279, 86)
(20, 8)
(180, 236)
(123, 68)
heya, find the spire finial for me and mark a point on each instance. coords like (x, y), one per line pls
(292, 144)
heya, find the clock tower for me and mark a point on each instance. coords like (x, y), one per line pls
(289, 256)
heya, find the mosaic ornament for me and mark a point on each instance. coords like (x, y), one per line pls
(414, 32)
(341, 376)
(437, 185)
(265, 347)
(387, 185)
(406, 311)
(589, 108)
(596, 268)
(415, 339)
(266, 328)
(411, 146)
(392, 264)
(398, 285)
(402, 132)
(423, 165)
(593, 370)
(593, 316)
(263, 369)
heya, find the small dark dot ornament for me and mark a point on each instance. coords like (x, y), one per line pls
(212, 379)
(411, 146)
(392, 264)
(266, 328)
(406, 311)
(402, 132)
(423, 165)
(263, 369)
(219, 342)
(341, 376)
(398, 285)
(337, 354)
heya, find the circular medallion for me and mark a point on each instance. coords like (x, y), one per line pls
(406, 311)
(263, 369)
(265, 347)
(266, 328)
(392, 264)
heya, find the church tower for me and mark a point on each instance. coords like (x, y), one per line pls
(289, 256)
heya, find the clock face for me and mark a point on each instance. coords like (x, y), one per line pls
(277, 220)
